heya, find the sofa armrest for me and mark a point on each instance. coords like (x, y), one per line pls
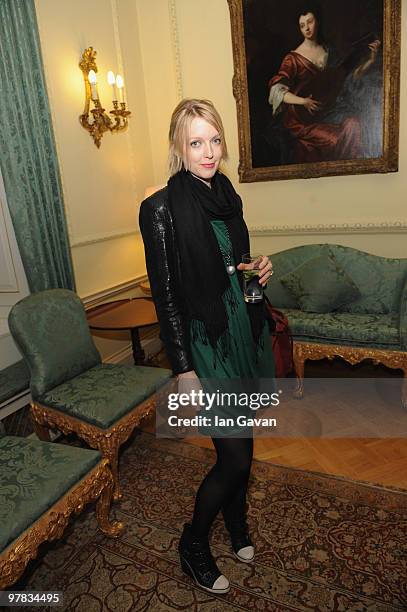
(403, 317)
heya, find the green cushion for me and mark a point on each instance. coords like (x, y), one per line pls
(379, 279)
(52, 333)
(33, 476)
(105, 393)
(13, 380)
(320, 285)
(344, 327)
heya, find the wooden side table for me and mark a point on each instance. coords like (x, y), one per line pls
(145, 287)
(129, 315)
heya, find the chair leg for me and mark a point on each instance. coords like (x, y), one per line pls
(112, 529)
(110, 450)
(41, 432)
(299, 363)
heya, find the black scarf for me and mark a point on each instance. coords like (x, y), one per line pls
(204, 279)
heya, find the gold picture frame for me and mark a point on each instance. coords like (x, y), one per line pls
(257, 162)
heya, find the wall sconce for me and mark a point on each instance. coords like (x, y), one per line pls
(96, 121)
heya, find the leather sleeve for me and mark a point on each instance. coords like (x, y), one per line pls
(162, 266)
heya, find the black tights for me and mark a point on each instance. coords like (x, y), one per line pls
(225, 485)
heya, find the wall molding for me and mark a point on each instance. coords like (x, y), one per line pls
(8, 274)
(103, 237)
(14, 404)
(172, 10)
(395, 227)
(151, 346)
(119, 357)
(120, 64)
(93, 299)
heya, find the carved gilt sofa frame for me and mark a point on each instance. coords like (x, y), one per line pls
(23, 536)
(373, 327)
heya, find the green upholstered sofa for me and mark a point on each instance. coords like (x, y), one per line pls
(371, 325)
(41, 485)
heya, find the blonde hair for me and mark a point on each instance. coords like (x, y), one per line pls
(181, 119)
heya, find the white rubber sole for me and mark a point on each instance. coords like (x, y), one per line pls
(243, 560)
(191, 574)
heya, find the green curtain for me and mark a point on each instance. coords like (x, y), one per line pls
(28, 158)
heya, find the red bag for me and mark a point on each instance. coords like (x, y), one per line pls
(281, 340)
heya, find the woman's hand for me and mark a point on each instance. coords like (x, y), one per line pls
(265, 269)
(190, 375)
(374, 48)
(311, 105)
(188, 381)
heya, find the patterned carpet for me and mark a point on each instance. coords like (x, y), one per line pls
(322, 543)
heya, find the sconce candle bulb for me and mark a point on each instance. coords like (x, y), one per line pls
(111, 79)
(92, 80)
(120, 86)
(95, 120)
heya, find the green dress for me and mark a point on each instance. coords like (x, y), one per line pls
(242, 362)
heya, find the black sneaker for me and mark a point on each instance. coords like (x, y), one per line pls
(241, 542)
(197, 561)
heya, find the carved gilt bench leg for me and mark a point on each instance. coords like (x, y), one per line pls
(299, 363)
(110, 449)
(112, 529)
(108, 441)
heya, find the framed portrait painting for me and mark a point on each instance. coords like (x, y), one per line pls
(316, 87)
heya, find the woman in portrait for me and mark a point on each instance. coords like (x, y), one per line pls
(194, 238)
(305, 89)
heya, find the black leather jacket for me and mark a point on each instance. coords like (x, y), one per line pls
(163, 268)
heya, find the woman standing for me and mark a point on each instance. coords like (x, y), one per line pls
(194, 235)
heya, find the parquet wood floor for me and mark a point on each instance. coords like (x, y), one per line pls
(375, 460)
(372, 460)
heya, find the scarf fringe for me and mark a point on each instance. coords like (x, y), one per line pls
(231, 299)
(198, 332)
(259, 347)
(221, 345)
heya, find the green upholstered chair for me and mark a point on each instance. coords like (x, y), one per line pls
(71, 389)
(369, 324)
(41, 485)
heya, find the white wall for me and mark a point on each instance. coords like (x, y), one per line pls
(205, 69)
(102, 187)
(168, 49)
